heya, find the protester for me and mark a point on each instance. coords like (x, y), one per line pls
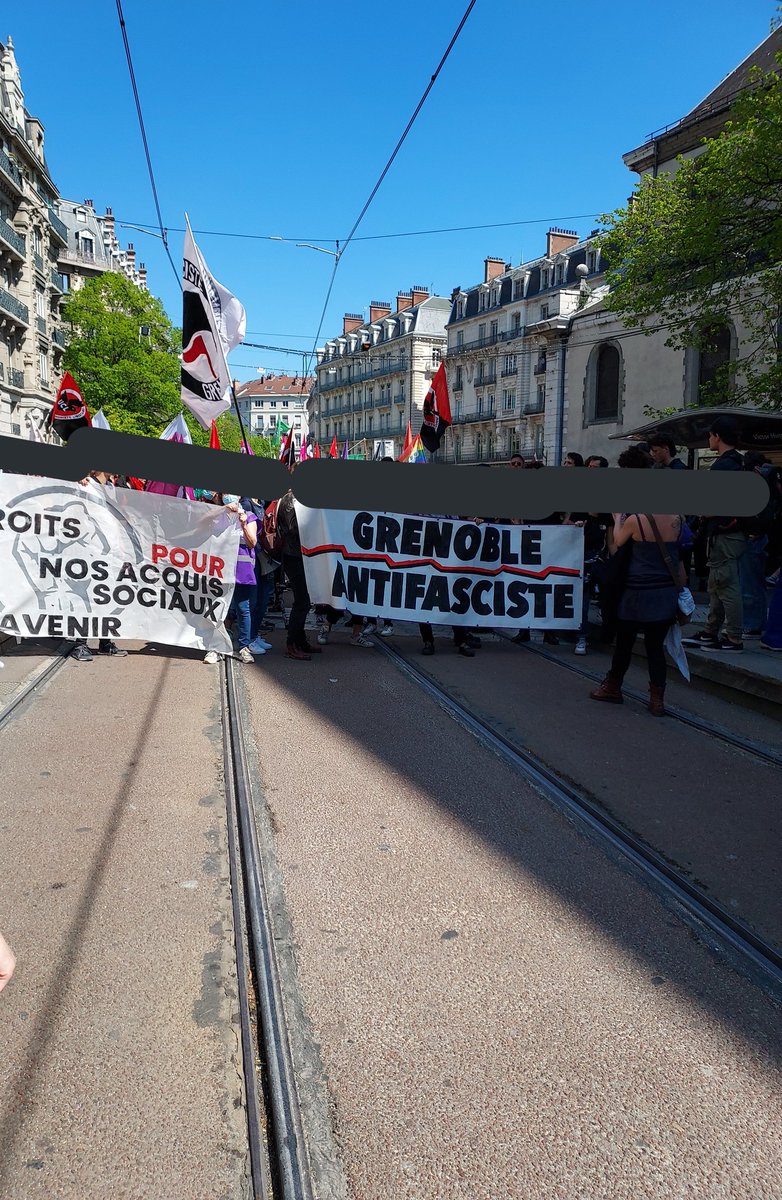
(572, 459)
(662, 448)
(265, 567)
(245, 587)
(293, 565)
(727, 543)
(596, 460)
(752, 564)
(7, 962)
(465, 645)
(516, 460)
(648, 601)
(80, 651)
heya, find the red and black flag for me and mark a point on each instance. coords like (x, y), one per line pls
(288, 449)
(437, 411)
(69, 411)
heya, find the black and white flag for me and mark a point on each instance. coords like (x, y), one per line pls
(213, 322)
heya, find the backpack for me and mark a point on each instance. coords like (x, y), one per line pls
(762, 522)
(270, 535)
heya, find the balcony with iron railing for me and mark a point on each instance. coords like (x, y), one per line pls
(10, 304)
(16, 379)
(534, 406)
(57, 280)
(359, 376)
(40, 325)
(507, 372)
(11, 171)
(473, 418)
(15, 241)
(38, 261)
(486, 380)
(399, 398)
(59, 338)
(59, 228)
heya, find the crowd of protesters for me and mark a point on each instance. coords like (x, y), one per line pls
(635, 567)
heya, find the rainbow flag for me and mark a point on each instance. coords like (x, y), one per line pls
(415, 453)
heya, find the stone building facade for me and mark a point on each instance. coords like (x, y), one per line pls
(371, 381)
(262, 402)
(504, 360)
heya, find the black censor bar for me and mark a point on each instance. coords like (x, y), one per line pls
(409, 488)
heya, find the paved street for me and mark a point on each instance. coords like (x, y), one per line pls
(483, 1001)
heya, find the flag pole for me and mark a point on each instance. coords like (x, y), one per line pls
(247, 449)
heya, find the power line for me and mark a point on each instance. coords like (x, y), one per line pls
(384, 172)
(163, 233)
(370, 237)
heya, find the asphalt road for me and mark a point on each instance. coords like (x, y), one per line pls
(496, 1007)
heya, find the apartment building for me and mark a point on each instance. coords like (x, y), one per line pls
(616, 375)
(92, 247)
(505, 373)
(371, 381)
(262, 402)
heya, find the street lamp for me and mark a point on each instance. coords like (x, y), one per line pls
(308, 246)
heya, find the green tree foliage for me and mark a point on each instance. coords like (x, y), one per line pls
(133, 378)
(230, 436)
(701, 249)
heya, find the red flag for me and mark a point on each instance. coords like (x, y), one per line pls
(316, 451)
(69, 411)
(437, 411)
(333, 451)
(288, 449)
(408, 440)
(214, 438)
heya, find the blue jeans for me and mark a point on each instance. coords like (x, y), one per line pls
(244, 599)
(752, 576)
(264, 592)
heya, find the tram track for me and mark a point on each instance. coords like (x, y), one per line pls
(758, 750)
(278, 1158)
(714, 923)
(37, 679)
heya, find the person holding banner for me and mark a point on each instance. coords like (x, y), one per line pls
(245, 587)
(81, 651)
(293, 565)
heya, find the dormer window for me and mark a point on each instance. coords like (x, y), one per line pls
(518, 289)
(459, 309)
(592, 261)
(495, 295)
(560, 272)
(544, 279)
(482, 303)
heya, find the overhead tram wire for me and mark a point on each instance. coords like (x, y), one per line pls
(339, 252)
(140, 115)
(369, 237)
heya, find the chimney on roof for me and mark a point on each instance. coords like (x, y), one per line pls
(403, 300)
(88, 204)
(131, 256)
(558, 240)
(378, 309)
(455, 293)
(419, 293)
(492, 267)
(351, 321)
(108, 221)
(142, 275)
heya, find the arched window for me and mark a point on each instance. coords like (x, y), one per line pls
(714, 356)
(607, 384)
(707, 377)
(604, 384)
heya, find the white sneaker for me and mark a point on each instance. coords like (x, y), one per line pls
(259, 646)
(323, 635)
(387, 629)
(581, 646)
(370, 627)
(361, 641)
(245, 656)
(211, 657)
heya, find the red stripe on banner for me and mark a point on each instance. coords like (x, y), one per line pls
(431, 562)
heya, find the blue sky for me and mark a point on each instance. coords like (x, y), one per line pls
(276, 119)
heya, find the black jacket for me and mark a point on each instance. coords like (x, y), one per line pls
(731, 460)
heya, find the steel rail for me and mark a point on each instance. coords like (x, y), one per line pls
(763, 958)
(711, 728)
(39, 677)
(286, 1125)
(260, 1169)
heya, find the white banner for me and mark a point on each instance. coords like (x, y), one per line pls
(443, 571)
(94, 562)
